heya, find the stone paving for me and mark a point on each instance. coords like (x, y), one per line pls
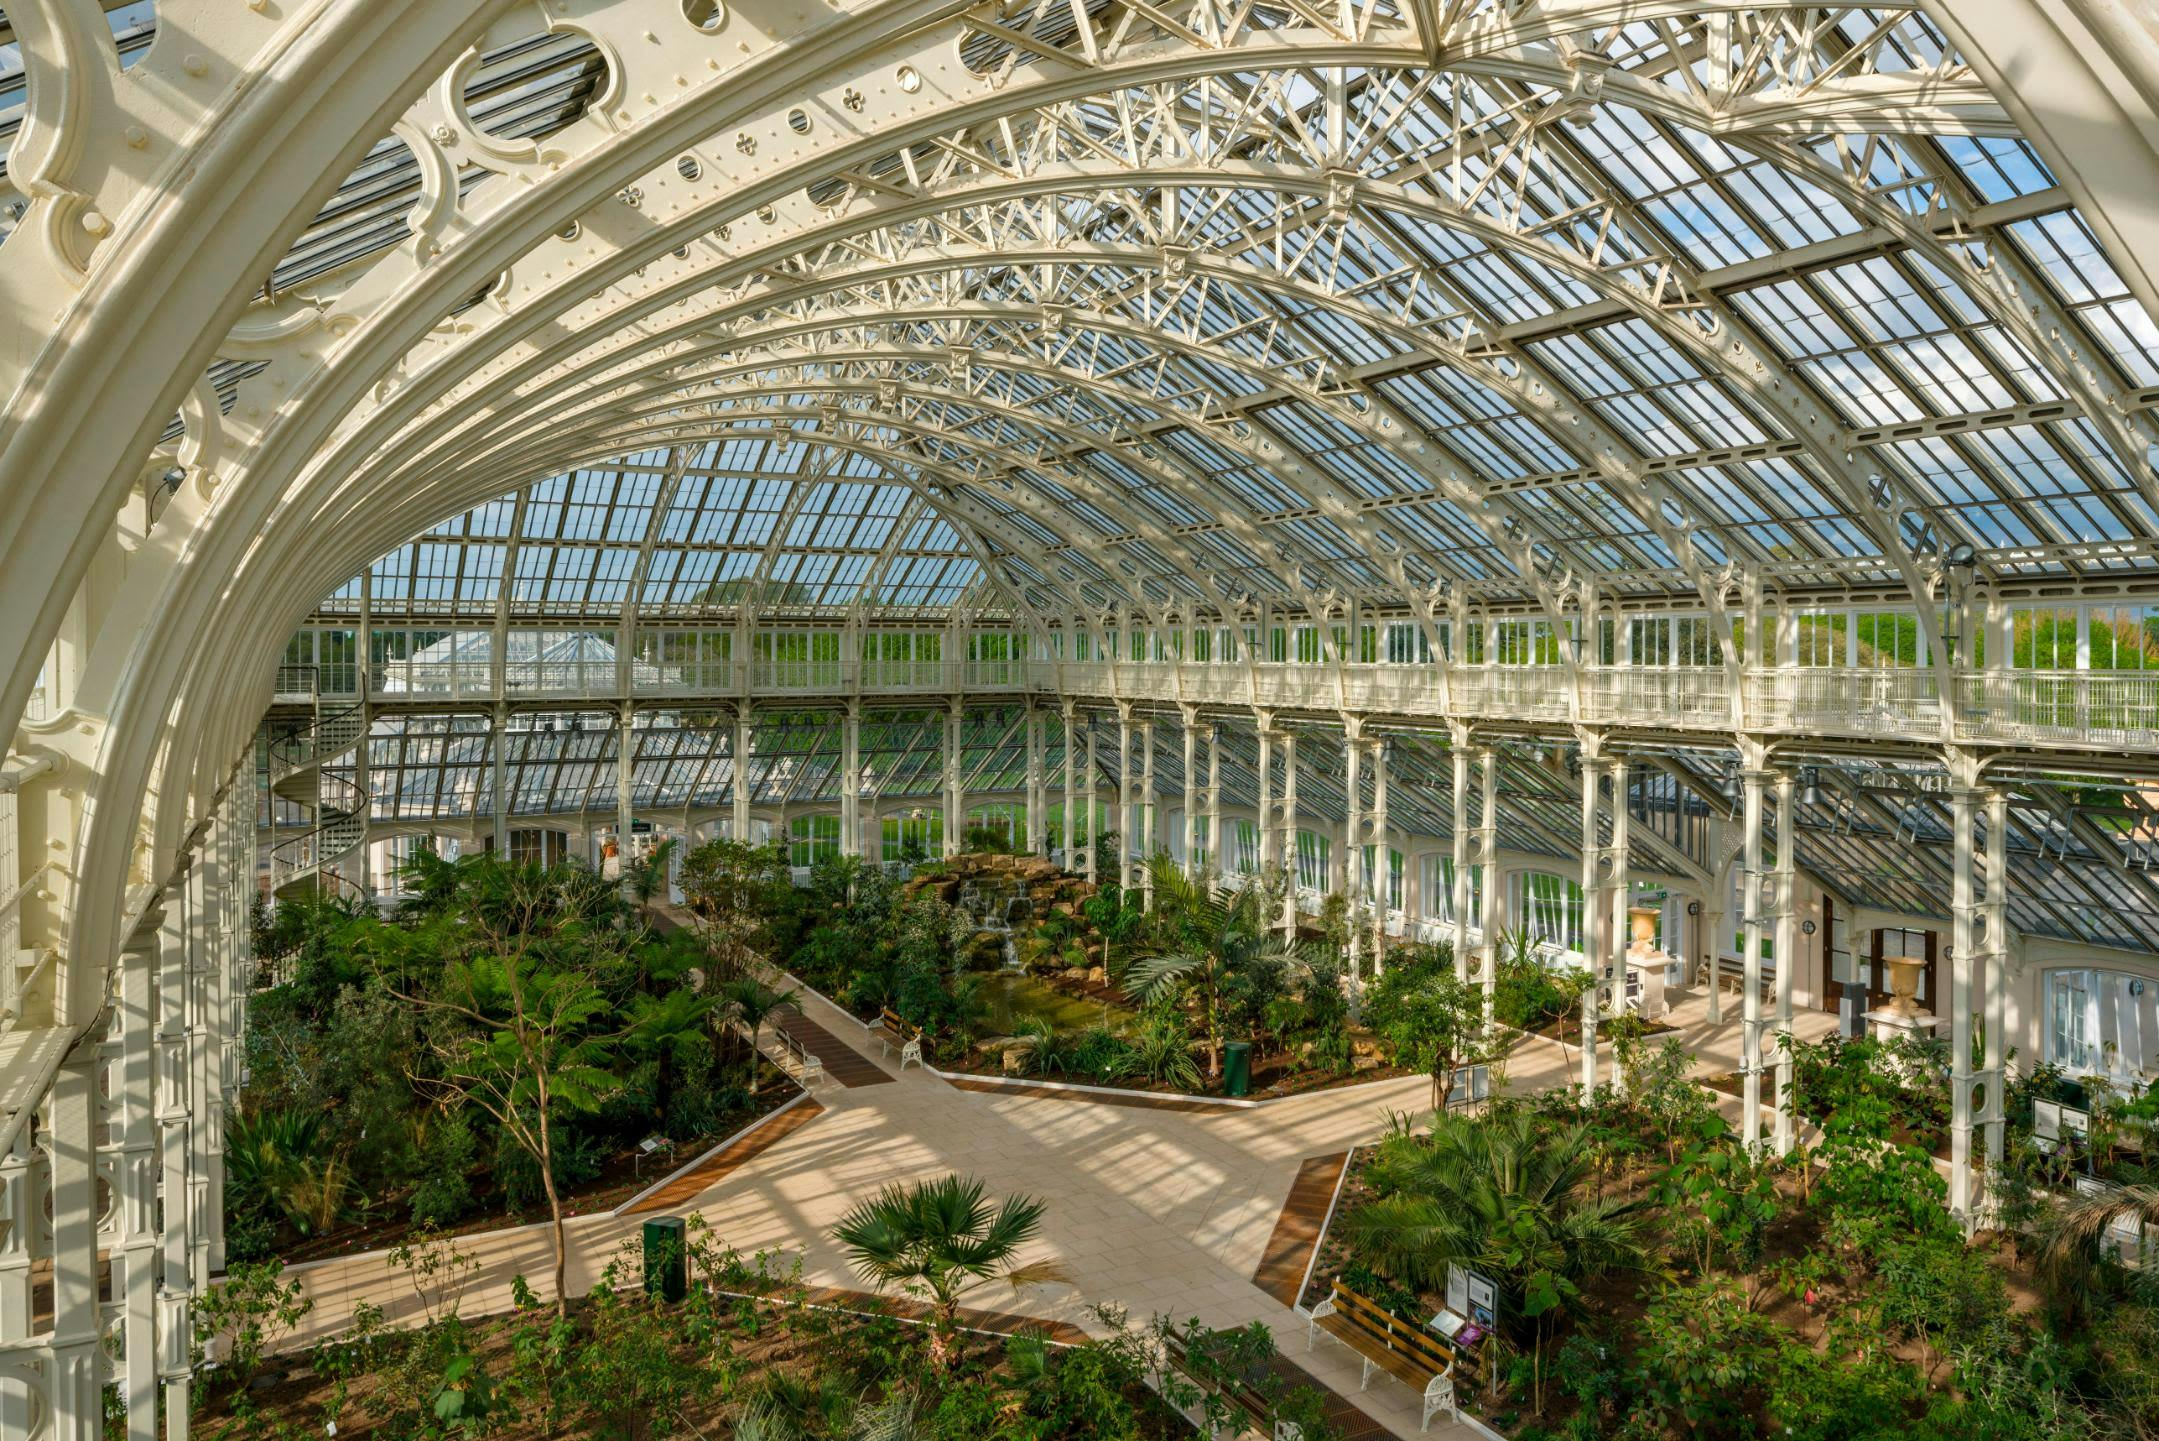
(1150, 1210)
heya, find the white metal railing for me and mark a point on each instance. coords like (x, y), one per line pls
(2110, 708)
(442, 679)
(2106, 707)
(1887, 702)
(341, 812)
(332, 734)
(574, 676)
(297, 684)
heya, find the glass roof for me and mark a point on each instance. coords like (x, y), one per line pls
(689, 532)
(1514, 331)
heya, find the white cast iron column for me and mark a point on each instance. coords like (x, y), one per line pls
(851, 781)
(1786, 934)
(955, 779)
(1071, 816)
(1458, 897)
(1382, 871)
(1993, 959)
(1146, 814)
(1289, 830)
(1752, 781)
(1037, 785)
(1187, 721)
(1088, 799)
(741, 790)
(1965, 798)
(1352, 840)
(1495, 891)
(1215, 851)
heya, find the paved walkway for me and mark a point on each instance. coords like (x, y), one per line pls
(1153, 1210)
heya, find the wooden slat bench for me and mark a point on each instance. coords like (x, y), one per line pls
(1385, 1342)
(892, 1029)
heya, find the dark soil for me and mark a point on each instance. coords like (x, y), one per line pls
(764, 1340)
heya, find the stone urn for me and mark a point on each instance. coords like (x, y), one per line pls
(1904, 985)
(1642, 925)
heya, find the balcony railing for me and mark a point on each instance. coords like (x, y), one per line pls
(2089, 708)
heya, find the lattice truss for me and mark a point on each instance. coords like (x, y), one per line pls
(1642, 307)
(1020, 313)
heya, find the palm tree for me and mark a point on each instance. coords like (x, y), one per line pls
(1207, 943)
(1505, 1194)
(752, 1002)
(2080, 1227)
(939, 1240)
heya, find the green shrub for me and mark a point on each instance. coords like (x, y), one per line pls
(445, 1191)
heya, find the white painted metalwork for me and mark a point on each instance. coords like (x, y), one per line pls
(1464, 370)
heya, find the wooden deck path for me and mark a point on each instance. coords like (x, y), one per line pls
(699, 1176)
(1297, 1230)
(842, 1062)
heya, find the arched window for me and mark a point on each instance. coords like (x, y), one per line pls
(1436, 872)
(1312, 853)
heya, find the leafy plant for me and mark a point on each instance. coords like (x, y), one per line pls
(939, 1240)
(1427, 1017)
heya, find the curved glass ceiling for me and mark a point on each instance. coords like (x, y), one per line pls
(688, 531)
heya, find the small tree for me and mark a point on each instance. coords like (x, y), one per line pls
(648, 878)
(527, 1052)
(939, 1240)
(1429, 1018)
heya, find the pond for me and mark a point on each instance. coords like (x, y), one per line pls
(1015, 997)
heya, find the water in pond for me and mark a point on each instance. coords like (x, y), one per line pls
(1015, 997)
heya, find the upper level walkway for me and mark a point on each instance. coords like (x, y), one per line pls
(2096, 711)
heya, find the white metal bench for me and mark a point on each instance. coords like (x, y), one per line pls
(1384, 1342)
(891, 1028)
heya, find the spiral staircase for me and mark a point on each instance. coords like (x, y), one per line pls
(298, 774)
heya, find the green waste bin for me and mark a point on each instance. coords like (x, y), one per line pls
(667, 1259)
(1237, 1068)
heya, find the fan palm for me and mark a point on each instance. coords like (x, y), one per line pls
(1207, 943)
(2080, 1227)
(939, 1240)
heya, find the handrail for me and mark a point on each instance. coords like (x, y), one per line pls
(330, 734)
